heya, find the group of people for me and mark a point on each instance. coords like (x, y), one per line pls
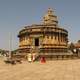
(32, 57)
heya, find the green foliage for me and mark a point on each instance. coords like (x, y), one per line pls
(78, 41)
(2, 52)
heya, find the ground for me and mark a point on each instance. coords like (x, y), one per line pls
(51, 70)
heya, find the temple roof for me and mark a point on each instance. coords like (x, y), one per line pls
(50, 17)
(77, 45)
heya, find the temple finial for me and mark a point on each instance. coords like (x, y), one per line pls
(50, 17)
(50, 11)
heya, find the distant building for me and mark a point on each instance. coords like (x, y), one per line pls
(45, 39)
(77, 45)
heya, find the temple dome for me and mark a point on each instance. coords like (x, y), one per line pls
(50, 17)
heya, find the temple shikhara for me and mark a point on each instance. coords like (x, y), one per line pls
(45, 39)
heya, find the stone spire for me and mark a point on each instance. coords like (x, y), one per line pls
(50, 18)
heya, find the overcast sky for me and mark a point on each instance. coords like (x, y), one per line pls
(15, 14)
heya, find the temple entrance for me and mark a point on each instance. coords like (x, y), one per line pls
(36, 41)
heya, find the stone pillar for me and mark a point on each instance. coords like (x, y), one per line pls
(59, 38)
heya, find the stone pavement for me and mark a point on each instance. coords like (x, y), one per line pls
(51, 70)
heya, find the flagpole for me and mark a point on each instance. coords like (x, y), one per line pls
(10, 45)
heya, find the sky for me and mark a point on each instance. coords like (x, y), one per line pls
(15, 14)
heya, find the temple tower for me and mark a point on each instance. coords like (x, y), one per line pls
(45, 39)
(50, 18)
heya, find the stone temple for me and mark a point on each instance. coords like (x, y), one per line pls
(45, 39)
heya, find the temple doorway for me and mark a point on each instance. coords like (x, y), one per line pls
(36, 41)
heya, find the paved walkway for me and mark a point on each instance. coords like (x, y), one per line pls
(51, 70)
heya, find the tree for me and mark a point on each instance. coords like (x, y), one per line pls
(72, 47)
(2, 52)
(78, 41)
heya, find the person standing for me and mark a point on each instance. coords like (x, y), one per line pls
(29, 58)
